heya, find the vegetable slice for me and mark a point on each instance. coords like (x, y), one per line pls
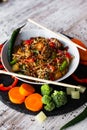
(26, 89)
(83, 54)
(15, 96)
(82, 80)
(63, 65)
(83, 62)
(77, 119)
(34, 102)
(6, 88)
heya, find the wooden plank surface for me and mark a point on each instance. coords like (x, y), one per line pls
(65, 16)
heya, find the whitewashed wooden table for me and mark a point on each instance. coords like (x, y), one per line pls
(65, 16)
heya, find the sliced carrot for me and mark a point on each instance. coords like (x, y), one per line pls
(83, 54)
(34, 102)
(15, 96)
(26, 89)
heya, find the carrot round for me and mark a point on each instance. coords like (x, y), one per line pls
(15, 96)
(83, 54)
(34, 102)
(26, 89)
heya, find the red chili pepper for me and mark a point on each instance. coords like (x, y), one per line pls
(83, 80)
(4, 88)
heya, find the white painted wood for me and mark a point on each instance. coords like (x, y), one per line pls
(69, 17)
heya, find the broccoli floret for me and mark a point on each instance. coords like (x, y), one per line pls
(46, 89)
(50, 106)
(46, 99)
(59, 98)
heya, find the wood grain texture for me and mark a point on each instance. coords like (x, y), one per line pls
(65, 16)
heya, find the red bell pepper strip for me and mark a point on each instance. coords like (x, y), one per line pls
(68, 55)
(29, 60)
(6, 88)
(1, 45)
(83, 62)
(28, 41)
(1, 66)
(51, 67)
(52, 44)
(83, 80)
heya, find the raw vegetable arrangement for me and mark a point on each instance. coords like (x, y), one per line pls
(47, 98)
(41, 57)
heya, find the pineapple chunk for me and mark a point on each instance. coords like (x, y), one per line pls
(75, 94)
(41, 117)
(82, 89)
(68, 90)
